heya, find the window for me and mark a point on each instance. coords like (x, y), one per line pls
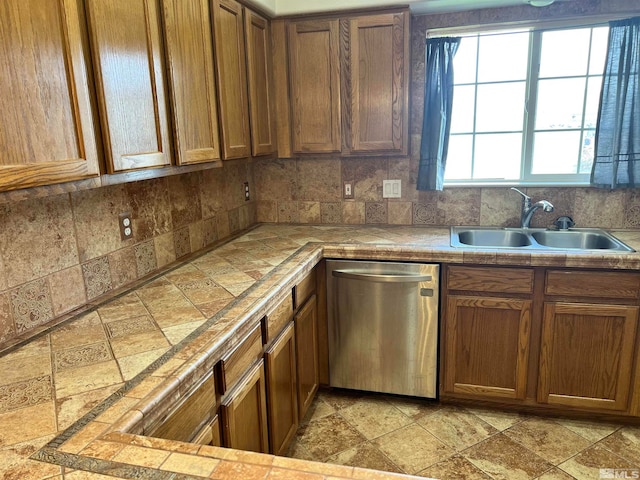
(525, 105)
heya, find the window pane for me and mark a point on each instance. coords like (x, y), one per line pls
(503, 57)
(564, 53)
(599, 41)
(464, 61)
(463, 108)
(593, 102)
(560, 103)
(459, 157)
(588, 147)
(500, 107)
(555, 152)
(497, 156)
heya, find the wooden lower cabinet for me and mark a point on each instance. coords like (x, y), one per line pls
(306, 329)
(487, 346)
(244, 413)
(586, 356)
(282, 391)
(210, 434)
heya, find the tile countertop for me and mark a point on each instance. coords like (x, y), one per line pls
(76, 399)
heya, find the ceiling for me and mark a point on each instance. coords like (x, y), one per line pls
(293, 7)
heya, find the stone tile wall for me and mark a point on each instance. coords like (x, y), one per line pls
(309, 190)
(60, 252)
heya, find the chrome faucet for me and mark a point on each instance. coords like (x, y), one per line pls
(528, 209)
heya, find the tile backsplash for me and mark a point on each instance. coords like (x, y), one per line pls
(60, 252)
(63, 251)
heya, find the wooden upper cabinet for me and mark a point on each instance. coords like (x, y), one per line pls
(260, 77)
(47, 134)
(129, 71)
(379, 70)
(232, 78)
(189, 49)
(314, 63)
(586, 355)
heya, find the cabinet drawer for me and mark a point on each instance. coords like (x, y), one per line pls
(592, 284)
(278, 318)
(488, 279)
(195, 409)
(236, 363)
(304, 289)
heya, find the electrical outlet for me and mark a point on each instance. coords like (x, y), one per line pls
(247, 197)
(391, 189)
(347, 191)
(126, 227)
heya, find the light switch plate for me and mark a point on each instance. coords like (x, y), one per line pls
(391, 189)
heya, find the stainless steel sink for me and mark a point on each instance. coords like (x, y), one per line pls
(580, 239)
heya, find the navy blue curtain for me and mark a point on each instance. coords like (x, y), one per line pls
(617, 151)
(438, 102)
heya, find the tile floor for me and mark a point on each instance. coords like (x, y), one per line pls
(425, 438)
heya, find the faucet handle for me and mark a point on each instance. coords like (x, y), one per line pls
(524, 195)
(564, 223)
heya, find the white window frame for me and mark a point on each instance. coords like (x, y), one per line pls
(535, 31)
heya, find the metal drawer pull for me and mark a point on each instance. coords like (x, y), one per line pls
(426, 292)
(382, 278)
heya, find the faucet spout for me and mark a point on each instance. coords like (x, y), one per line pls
(529, 209)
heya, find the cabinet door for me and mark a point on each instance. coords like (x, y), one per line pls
(586, 355)
(232, 78)
(282, 392)
(379, 74)
(244, 413)
(260, 75)
(189, 46)
(487, 346)
(47, 134)
(314, 63)
(128, 63)
(210, 434)
(306, 322)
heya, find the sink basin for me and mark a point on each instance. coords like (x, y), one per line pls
(493, 238)
(584, 240)
(587, 239)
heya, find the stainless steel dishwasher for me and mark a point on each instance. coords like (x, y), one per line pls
(383, 326)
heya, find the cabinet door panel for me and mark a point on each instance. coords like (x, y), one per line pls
(47, 133)
(586, 355)
(306, 322)
(379, 70)
(487, 346)
(282, 392)
(315, 85)
(244, 413)
(232, 78)
(260, 75)
(128, 62)
(189, 47)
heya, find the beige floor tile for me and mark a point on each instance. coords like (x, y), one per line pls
(70, 409)
(499, 419)
(328, 436)
(457, 428)
(27, 423)
(339, 399)
(626, 443)
(592, 431)
(132, 365)
(412, 448)
(138, 343)
(318, 409)
(556, 474)
(83, 379)
(365, 455)
(455, 468)
(504, 459)
(587, 464)
(16, 465)
(414, 408)
(547, 439)
(374, 417)
(299, 451)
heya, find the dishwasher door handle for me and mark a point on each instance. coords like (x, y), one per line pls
(382, 277)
